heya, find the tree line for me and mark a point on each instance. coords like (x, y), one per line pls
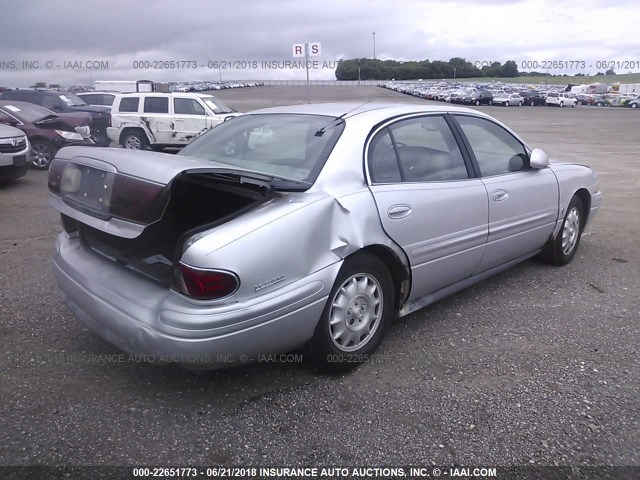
(370, 69)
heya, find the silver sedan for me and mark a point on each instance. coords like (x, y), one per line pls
(307, 227)
(508, 99)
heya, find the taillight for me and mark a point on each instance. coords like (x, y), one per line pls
(202, 284)
(135, 199)
(55, 175)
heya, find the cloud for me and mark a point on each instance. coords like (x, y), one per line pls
(122, 32)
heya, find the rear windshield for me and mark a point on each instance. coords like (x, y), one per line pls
(290, 146)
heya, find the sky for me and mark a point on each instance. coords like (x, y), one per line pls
(58, 38)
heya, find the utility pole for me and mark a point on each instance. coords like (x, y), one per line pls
(374, 45)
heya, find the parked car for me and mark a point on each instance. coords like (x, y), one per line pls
(633, 103)
(161, 120)
(193, 256)
(47, 132)
(532, 98)
(560, 99)
(66, 102)
(508, 99)
(14, 153)
(103, 99)
(479, 97)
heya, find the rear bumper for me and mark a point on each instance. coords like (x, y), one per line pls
(145, 319)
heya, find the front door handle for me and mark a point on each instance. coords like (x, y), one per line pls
(499, 195)
(399, 211)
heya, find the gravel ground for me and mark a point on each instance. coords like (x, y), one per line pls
(538, 365)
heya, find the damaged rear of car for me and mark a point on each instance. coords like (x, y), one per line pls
(196, 257)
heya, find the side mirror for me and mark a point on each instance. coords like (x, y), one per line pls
(538, 159)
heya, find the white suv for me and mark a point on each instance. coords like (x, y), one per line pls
(561, 99)
(159, 120)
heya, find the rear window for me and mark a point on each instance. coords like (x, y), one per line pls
(290, 146)
(129, 104)
(156, 105)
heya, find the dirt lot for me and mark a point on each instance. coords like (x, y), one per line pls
(538, 365)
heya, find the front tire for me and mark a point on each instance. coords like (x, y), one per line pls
(533, 104)
(42, 153)
(562, 249)
(360, 306)
(477, 103)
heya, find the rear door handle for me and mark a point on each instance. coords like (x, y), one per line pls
(499, 195)
(399, 211)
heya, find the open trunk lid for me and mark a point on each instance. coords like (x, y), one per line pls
(121, 192)
(139, 209)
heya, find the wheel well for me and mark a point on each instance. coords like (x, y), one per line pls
(37, 138)
(128, 129)
(400, 274)
(584, 195)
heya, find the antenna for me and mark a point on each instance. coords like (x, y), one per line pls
(321, 131)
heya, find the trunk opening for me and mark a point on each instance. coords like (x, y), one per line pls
(198, 202)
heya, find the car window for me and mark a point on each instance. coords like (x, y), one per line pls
(383, 163)
(496, 150)
(49, 101)
(156, 105)
(427, 150)
(291, 146)
(90, 99)
(129, 104)
(187, 106)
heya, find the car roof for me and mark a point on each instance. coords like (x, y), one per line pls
(164, 94)
(351, 109)
(108, 92)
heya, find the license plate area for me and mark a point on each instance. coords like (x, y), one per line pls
(87, 189)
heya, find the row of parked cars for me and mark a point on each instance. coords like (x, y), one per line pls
(509, 95)
(208, 86)
(35, 124)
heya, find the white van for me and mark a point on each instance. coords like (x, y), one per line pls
(159, 120)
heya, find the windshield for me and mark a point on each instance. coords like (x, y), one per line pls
(28, 112)
(72, 100)
(216, 105)
(289, 146)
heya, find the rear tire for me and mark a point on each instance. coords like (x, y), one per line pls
(134, 140)
(42, 153)
(477, 103)
(519, 104)
(359, 308)
(533, 104)
(562, 249)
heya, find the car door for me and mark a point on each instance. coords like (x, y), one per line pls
(190, 119)
(523, 202)
(428, 201)
(158, 120)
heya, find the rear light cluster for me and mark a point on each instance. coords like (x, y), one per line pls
(202, 284)
(104, 194)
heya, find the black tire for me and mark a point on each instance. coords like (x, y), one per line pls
(322, 350)
(519, 104)
(42, 153)
(533, 104)
(553, 252)
(478, 103)
(134, 140)
(599, 104)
